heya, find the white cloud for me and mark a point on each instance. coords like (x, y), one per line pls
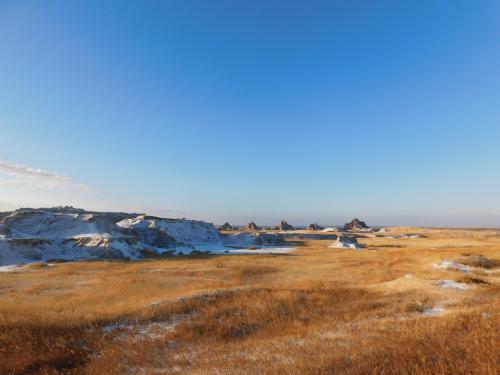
(23, 176)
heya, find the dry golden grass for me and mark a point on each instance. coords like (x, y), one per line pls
(314, 311)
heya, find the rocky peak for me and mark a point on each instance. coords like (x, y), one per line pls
(285, 226)
(315, 226)
(355, 224)
(252, 226)
(227, 226)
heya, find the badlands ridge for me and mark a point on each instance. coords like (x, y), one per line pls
(66, 233)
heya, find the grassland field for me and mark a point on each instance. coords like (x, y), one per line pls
(386, 309)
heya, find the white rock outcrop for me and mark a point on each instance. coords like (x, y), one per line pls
(346, 242)
(29, 235)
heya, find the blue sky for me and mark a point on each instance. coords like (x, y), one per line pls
(226, 110)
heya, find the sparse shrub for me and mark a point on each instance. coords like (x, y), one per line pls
(248, 273)
(467, 279)
(475, 260)
(419, 305)
(38, 265)
(45, 349)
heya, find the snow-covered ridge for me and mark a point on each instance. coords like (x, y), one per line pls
(29, 235)
(191, 232)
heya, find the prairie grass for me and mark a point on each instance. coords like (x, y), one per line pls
(469, 279)
(480, 261)
(315, 311)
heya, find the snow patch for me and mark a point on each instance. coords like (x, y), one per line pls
(452, 285)
(330, 229)
(433, 311)
(403, 236)
(11, 268)
(455, 266)
(144, 331)
(409, 236)
(263, 250)
(253, 239)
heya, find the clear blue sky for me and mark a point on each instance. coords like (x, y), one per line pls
(312, 110)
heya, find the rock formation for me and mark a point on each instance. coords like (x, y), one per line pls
(315, 226)
(184, 232)
(355, 224)
(285, 226)
(27, 235)
(66, 233)
(346, 242)
(227, 226)
(252, 226)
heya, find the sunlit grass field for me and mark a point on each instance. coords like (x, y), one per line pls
(317, 310)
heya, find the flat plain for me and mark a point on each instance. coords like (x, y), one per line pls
(423, 305)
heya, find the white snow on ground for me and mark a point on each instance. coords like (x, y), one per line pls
(452, 284)
(409, 236)
(343, 245)
(455, 266)
(346, 243)
(263, 250)
(11, 268)
(221, 249)
(147, 330)
(22, 267)
(253, 239)
(433, 311)
(404, 236)
(330, 229)
(51, 225)
(153, 330)
(183, 231)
